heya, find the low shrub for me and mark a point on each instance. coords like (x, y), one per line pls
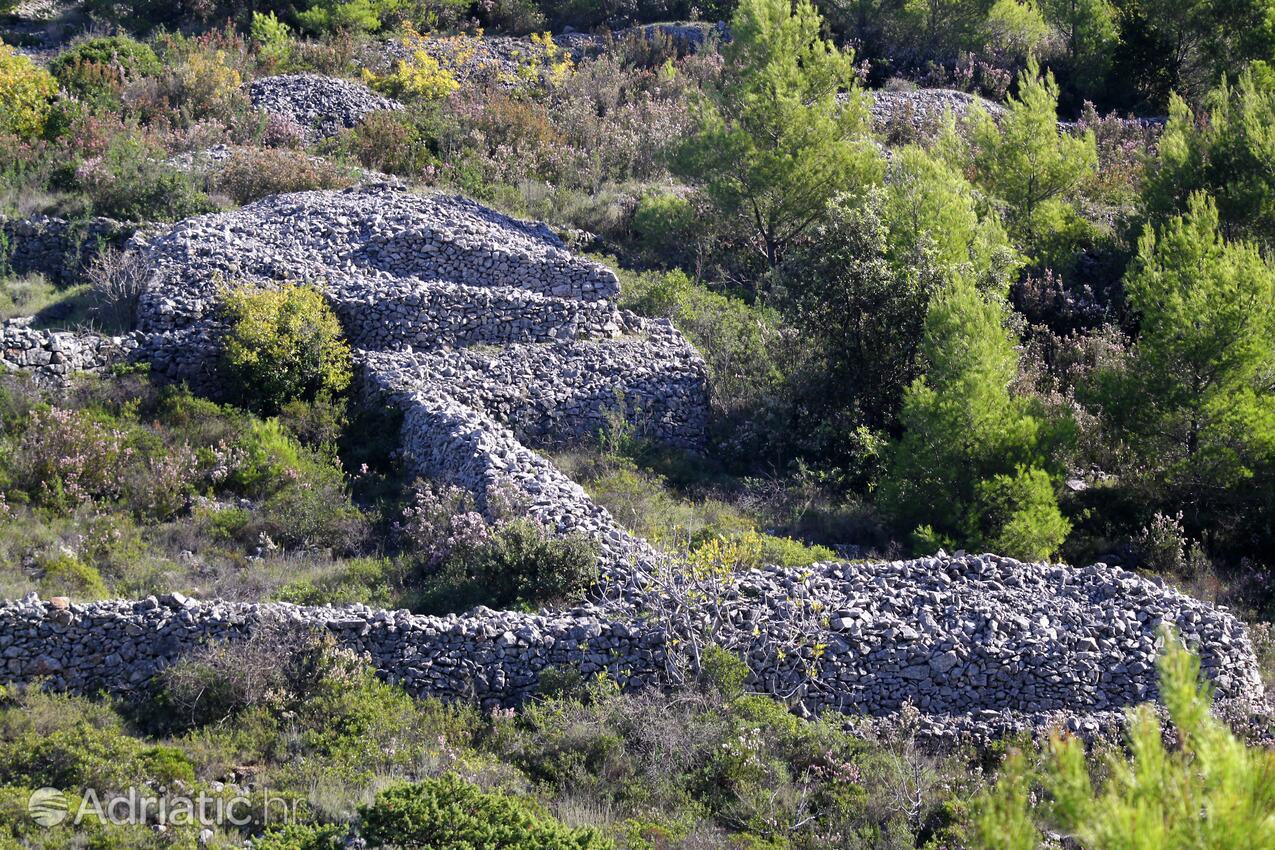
(451, 814)
(131, 181)
(27, 93)
(282, 344)
(515, 562)
(253, 173)
(99, 68)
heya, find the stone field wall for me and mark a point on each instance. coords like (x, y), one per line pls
(56, 248)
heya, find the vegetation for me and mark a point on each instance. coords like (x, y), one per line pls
(1043, 328)
(283, 345)
(1208, 791)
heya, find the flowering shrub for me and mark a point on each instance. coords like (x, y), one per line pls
(67, 457)
(26, 95)
(467, 558)
(441, 520)
(420, 76)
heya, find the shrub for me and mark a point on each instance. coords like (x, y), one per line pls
(450, 814)
(253, 173)
(101, 67)
(118, 280)
(666, 226)
(275, 668)
(518, 563)
(66, 575)
(392, 142)
(301, 837)
(68, 457)
(283, 344)
(26, 95)
(130, 181)
(272, 38)
(418, 77)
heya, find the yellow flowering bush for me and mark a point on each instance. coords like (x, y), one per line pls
(421, 75)
(283, 344)
(26, 94)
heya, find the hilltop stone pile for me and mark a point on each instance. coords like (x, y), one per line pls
(489, 335)
(321, 106)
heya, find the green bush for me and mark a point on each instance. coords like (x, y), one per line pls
(100, 67)
(666, 226)
(282, 344)
(520, 563)
(130, 181)
(451, 814)
(66, 575)
(301, 837)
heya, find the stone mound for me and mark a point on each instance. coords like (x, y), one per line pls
(485, 330)
(320, 106)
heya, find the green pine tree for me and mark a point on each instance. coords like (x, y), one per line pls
(773, 141)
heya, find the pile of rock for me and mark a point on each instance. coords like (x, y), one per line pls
(485, 330)
(321, 106)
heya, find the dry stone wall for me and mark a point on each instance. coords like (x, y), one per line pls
(52, 357)
(973, 642)
(55, 247)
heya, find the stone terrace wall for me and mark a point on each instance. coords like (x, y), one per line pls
(56, 248)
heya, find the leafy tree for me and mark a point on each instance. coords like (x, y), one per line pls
(283, 344)
(1210, 791)
(939, 29)
(859, 300)
(449, 813)
(774, 141)
(1029, 163)
(1230, 154)
(1187, 45)
(1090, 32)
(1013, 30)
(970, 466)
(1196, 400)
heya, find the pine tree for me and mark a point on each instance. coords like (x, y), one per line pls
(1211, 792)
(1196, 401)
(774, 141)
(971, 463)
(1029, 163)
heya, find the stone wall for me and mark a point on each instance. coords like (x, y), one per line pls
(51, 357)
(973, 638)
(56, 248)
